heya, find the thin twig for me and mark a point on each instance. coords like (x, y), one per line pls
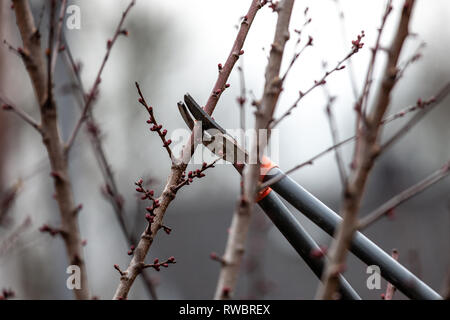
(309, 43)
(22, 114)
(111, 190)
(156, 127)
(316, 84)
(7, 198)
(198, 174)
(34, 61)
(57, 48)
(242, 100)
(420, 106)
(365, 154)
(404, 196)
(362, 102)
(390, 290)
(240, 224)
(94, 90)
(146, 240)
(425, 108)
(351, 72)
(7, 244)
(335, 136)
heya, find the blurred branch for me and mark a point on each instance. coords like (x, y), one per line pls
(351, 72)
(176, 173)
(423, 107)
(365, 154)
(318, 83)
(111, 190)
(363, 100)
(94, 90)
(58, 45)
(9, 242)
(404, 196)
(235, 246)
(4, 128)
(335, 136)
(21, 114)
(441, 95)
(7, 198)
(390, 290)
(42, 81)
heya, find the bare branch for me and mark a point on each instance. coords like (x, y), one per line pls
(335, 136)
(320, 82)
(156, 127)
(424, 108)
(365, 154)
(9, 242)
(241, 219)
(404, 196)
(33, 58)
(178, 169)
(351, 72)
(7, 198)
(362, 102)
(420, 106)
(22, 114)
(390, 290)
(94, 90)
(58, 45)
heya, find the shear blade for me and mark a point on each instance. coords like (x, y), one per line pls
(200, 114)
(217, 140)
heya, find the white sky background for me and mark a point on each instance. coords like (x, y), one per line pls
(201, 33)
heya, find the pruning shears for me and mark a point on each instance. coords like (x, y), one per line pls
(225, 146)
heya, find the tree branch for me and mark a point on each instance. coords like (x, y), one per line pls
(94, 90)
(35, 64)
(390, 290)
(111, 190)
(404, 196)
(235, 247)
(22, 114)
(365, 154)
(422, 107)
(178, 169)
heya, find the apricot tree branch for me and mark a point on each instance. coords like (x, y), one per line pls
(176, 173)
(111, 190)
(365, 153)
(155, 126)
(240, 224)
(404, 196)
(34, 61)
(390, 290)
(357, 45)
(58, 47)
(21, 114)
(335, 136)
(94, 90)
(421, 106)
(423, 110)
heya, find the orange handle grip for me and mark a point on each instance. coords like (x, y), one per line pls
(266, 166)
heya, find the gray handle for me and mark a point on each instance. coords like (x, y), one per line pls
(362, 247)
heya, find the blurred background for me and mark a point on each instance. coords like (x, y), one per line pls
(174, 47)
